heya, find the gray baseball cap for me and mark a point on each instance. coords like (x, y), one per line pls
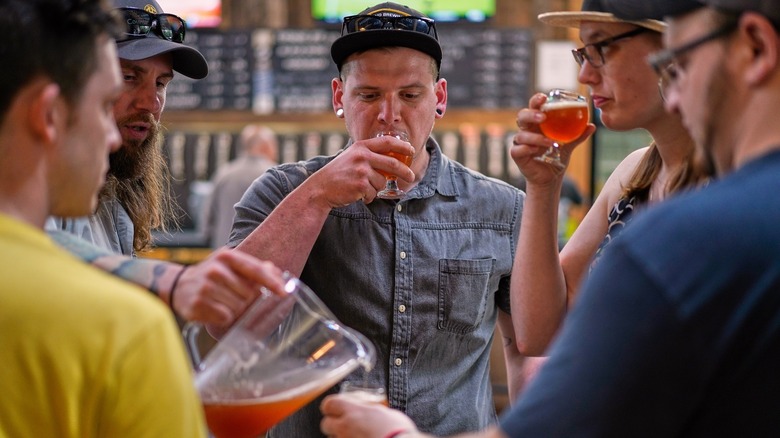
(186, 60)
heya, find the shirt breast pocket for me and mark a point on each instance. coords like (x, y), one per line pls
(463, 293)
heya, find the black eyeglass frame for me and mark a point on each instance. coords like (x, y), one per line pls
(350, 24)
(581, 55)
(664, 64)
(155, 25)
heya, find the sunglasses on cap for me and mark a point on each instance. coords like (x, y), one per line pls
(360, 23)
(139, 23)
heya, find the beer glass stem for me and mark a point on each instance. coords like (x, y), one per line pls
(552, 156)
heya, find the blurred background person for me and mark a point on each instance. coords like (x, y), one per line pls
(258, 150)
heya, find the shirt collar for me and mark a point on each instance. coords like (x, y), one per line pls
(440, 174)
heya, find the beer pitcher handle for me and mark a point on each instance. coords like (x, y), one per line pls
(191, 331)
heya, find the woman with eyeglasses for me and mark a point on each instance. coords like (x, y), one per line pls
(625, 90)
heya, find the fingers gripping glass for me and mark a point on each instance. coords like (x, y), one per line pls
(139, 23)
(360, 23)
(594, 53)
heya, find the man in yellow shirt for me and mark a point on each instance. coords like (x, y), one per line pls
(83, 354)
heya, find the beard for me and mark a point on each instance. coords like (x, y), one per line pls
(135, 158)
(138, 179)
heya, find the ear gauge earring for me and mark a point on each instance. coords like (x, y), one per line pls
(439, 111)
(340, 113)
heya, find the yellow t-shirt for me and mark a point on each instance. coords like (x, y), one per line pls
(83, 354)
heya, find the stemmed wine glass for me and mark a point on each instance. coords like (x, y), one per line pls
(567, 118)
(391, 190)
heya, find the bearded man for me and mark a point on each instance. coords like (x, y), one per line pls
(136, 198)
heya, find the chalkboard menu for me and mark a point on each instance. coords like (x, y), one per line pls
(289, 70)
(229, 82)
(486, 68)
(293, 70)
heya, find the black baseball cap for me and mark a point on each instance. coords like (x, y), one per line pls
(186, 60)
(658, 9)
(386, 25)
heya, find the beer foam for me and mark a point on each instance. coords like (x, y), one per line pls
(564, 105)
(318, 383)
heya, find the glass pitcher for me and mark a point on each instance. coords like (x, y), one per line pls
(281, 354)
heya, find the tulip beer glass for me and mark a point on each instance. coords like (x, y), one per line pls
(364, 392)
(391, 190)
(567, 118)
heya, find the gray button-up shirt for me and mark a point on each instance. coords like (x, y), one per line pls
(110, 228)
(422, 278)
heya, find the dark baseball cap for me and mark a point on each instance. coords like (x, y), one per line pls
(658, 9)
(386, 25)
(186, 60)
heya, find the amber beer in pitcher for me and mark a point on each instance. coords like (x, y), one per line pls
(566, 120)
(252, 418)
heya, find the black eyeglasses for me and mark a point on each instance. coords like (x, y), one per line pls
(594, 52)
(360, 23)
(139, 23)
(664, 62)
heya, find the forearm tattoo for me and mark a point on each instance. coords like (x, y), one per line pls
(144, 273)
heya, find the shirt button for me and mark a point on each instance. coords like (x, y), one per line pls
(398, 207)
(398, 362)
(402, 308)
(403, 255)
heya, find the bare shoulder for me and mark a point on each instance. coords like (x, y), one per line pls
(619, 178)
(626, 168)
(622, 173)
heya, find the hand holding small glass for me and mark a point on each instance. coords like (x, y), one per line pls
(391, 190)
(364, 392)
(566, 120)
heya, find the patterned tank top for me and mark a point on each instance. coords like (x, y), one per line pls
(621, 214)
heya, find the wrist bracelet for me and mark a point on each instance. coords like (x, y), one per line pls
(397, 433)
(173, 288)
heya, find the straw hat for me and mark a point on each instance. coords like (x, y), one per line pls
(594, 10)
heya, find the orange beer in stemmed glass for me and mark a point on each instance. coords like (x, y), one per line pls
(391, 190)
(567, 118)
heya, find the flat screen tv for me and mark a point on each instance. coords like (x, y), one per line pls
(197, 13)
(332, 11)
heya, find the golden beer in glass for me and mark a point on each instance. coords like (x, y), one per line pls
(391, 189)
(567, 118)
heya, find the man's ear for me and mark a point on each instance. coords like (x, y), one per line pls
(440, 89)
(763, 43)
(46, 111)
(337, 86)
